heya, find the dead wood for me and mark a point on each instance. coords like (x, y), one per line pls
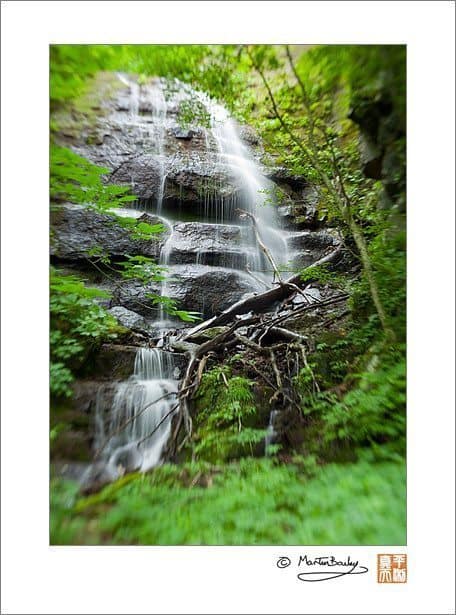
(260, 302)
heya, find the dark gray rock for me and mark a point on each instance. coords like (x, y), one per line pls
(371, 157)
(197, 288)
(317, 242)
(182, 133)
(133, 295)
(128, 318)
(382, 124)
(283, 176)
(114, 362)
(307, 247)
(249, 136)
(206, 244)
(77, 230)
(298, 200)
(208, 290)
(87, 391)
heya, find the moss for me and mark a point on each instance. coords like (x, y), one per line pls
(83, 113)
(226, 417)
(107, 494)
(209, 334)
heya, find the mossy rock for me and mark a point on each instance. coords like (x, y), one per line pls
(80, 118)
(209, 334)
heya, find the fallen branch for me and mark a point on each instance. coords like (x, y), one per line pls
(258, 302)
(287, 334)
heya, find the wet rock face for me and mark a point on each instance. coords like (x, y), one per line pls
(114, 362)
(133, 295)
(73, 443)
(307, 247)
(206, 244)
(299, 200)
(208, 290)
(140, 139)
(198, 288)
(382, 143)
(77, 230)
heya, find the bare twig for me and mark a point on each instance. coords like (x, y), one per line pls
(125, 424)
(262, 245)
(162, 420)
(256, 278)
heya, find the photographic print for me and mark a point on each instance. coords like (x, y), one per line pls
(228, 295)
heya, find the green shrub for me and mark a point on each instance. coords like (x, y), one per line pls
(78, 325)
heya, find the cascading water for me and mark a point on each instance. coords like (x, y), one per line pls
(134, 432)
(159, 108)
(165, 254)
(256, 193)
(271, 433)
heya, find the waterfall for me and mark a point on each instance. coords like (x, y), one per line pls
(159, 109)
(256, 192)
(157, 132)
(271, 433)
(165, 254)
(139, 418)
(132, 430)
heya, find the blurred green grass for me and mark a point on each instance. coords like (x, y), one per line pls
(252, 502)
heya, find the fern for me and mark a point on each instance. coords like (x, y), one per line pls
(225, 404)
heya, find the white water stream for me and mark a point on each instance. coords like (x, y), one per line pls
(140, 415)
(256, 192)
(139, 419)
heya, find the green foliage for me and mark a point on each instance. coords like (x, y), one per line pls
(387, 252)
(366, 411)
(142, 268)
(171, 307)
(60, 377)
(193, 112)
(139, 229)
(253, 502)
(210, 68)
(373, 411)
(74, 179)
(225, 404)
(323, 275)
(78, 325)
(70, 68)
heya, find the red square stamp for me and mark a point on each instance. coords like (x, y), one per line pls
(392, 568)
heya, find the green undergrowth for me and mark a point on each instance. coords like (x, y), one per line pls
(252, 502)
(225, 417)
